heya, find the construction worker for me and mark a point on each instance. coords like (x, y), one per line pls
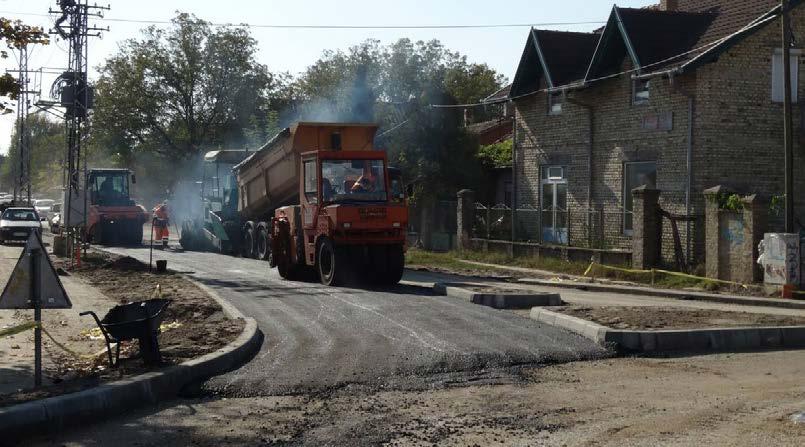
(161, 222)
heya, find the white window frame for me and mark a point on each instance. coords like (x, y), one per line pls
(777, 90)
(642, 96)
(547, 179)
(556, 103)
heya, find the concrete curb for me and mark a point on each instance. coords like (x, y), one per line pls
(674, 294)
(689, 340)
(500, 300)
(89, 406)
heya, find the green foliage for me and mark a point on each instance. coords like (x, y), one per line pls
(729, 202)
(16, 35)
(497, 155)
(777, 205)
(180, 91)
(47, 148)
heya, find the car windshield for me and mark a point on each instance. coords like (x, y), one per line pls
(44, 203)
(20, 215)
(353, 181)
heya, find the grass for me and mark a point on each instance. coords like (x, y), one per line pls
(456, 261)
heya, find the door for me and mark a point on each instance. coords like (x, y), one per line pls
(554, 204)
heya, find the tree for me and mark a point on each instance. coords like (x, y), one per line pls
(405, 78)
(17, 35)
(178, 92)
(47, 150)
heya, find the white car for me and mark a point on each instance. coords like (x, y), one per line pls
(43, 207)
(17, 223)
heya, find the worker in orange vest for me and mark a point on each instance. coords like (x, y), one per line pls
(161, 222)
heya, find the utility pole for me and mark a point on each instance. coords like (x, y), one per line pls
(788, 124)
(77, 98)
(22, 187)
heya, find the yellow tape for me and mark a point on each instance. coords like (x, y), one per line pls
(17, 329)
(665, 272)
(68, 350)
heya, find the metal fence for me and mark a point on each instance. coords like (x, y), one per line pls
(575, 227)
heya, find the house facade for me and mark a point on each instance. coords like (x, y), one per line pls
(681, 97)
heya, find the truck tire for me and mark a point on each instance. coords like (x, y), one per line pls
(331, 263)
(263, 242)
(247, 249)
(395, 265)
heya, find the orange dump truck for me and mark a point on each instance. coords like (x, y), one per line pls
(317, 196)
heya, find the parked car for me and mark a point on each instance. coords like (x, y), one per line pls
(43, 207)
(54, 220)
(17, 223)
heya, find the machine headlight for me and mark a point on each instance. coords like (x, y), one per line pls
(347, 225)
(396, 225)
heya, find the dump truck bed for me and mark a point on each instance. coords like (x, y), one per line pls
(269, 178)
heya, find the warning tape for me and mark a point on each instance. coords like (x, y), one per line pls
(33, 325)
(17, 329)
(664, 272)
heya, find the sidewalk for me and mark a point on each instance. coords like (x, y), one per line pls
(17, 351)
(593, 298)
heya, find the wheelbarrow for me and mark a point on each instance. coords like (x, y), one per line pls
(139, 320)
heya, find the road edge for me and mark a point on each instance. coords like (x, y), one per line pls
(679, 341)
(114, 398)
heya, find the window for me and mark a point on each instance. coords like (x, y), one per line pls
(554, 204)
(641, 91)
(777, 74)
(555, 101)
(635, 175)
(311, 181)
(350, 181)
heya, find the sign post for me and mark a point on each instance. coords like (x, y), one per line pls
(35, 285)
(35, 297)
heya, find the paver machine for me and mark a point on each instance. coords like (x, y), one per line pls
(113, 218)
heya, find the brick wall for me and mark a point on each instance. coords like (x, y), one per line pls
(737, 139)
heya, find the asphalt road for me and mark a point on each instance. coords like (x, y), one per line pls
(319, 338)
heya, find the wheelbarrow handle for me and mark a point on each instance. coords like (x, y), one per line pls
(105, 334)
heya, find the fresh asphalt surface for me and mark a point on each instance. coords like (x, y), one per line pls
(319, 338)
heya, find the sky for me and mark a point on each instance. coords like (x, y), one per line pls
(292, 50)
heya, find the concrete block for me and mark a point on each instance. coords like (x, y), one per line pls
(793, 337)
(648, 341)
(770, 337)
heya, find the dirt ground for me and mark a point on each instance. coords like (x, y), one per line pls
(194, 325)
(640, 318)
(724, 400)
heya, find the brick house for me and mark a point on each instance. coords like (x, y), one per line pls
(680, 97)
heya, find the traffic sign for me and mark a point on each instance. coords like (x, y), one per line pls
(18, 293)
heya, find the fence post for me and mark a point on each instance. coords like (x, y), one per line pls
(465, 216)
(647, 228)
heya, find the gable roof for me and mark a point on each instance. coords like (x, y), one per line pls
(649, 37)
(557, 56)
(656, 41)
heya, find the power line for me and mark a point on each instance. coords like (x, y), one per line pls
(335, 27)
(701, 48)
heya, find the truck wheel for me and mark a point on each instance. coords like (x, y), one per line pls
(263, 242)
(331, 263)
(248, 243)
(136, 236)
(395, 265)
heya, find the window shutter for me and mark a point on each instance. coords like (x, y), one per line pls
(777, 92)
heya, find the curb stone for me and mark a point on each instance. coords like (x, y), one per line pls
(500, 300)
(113, 398)
(684, 340)
(666, 293)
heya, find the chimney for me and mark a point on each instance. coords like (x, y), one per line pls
(669, 5)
